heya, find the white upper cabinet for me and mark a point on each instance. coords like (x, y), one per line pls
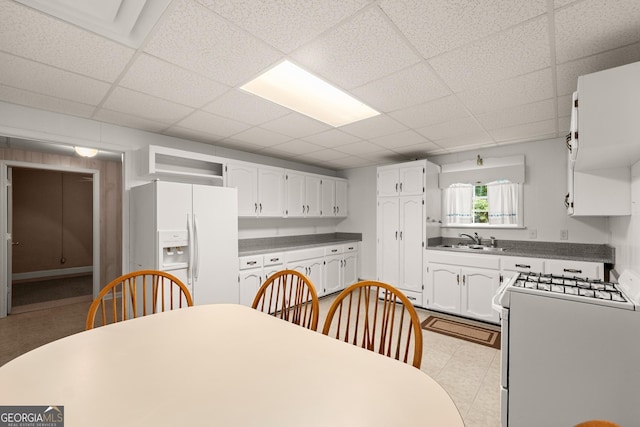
(271, 192)
(303, 194)
(607, 121)
(406, 179)
(260, 189)
(334, 197)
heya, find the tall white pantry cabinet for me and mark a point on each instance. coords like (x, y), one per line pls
(402, 231)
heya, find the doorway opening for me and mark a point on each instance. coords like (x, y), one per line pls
(52, 238)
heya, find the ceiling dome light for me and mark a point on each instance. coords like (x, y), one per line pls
(86, 152)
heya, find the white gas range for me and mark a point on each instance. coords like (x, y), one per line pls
(570, 348)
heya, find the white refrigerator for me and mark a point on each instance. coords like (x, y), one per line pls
(190, 231)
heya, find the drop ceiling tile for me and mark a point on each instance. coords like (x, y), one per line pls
(411, 86)
(564, 123)
(331, 138)
(430, 113)
(360, 50)
(561, 3)
(585, 28)
(240, 145)
(417, 150)
(44, 102)
(374, 127)
(296, 147)
(398, 140)
(145, 106)
(199, 40)
(295, 125)
(513, 52)
(518, 115)
(261, 137)
(455, 128)
(285, 24)
(322, 156)
(467, 142)
(564, 105)
(437, 26)
(193, 135)
(35, 77)
(245, 107)
(528, 131)
(212, 124)
(349, 162)
(128, 120)
(379, 156)
(569, 72)
(156, 77)
(45, 39)
(358, 148)
(520, 90)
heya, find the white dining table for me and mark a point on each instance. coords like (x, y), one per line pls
(222, 365)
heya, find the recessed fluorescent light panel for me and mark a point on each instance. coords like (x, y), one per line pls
(292, 87)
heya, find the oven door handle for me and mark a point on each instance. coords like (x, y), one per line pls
(495, 301)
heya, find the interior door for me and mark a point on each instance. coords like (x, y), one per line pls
(10, 242)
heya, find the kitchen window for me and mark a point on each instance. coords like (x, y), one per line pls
(494, 204)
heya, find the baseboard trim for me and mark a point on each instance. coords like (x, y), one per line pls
(52, 273)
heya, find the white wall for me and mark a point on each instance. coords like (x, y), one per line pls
(544, 191)
(625, 230)
(29, 123)
(362, 216)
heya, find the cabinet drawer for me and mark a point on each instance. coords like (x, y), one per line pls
(252, 261)
(523, 265)
(273, 259)
(350, 247)
(333, 250)
(590, 270)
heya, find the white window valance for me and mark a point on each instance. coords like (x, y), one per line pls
(490, 170)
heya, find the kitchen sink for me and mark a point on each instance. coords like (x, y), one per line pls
(472, 247)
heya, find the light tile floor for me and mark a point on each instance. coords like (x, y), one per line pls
(469, 372)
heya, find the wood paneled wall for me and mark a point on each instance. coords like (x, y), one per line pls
(110, 201)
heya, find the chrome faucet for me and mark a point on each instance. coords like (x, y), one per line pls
(476, 239)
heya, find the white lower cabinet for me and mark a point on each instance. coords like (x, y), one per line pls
(309, 262)
(464, 291)
(340, 267)
(478, 288)
(254, 271)
(462, 283)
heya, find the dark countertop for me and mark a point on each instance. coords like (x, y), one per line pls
(551, 250)
(265, 245)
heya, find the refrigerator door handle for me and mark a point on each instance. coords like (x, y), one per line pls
(190, 240)
(197, 248)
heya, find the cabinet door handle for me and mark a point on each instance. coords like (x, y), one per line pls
(458, 278)
(274, 259)
(396, 235)
(255, 207)
(307, 208)
(260, 207)
(251, 262)
(572, 270)
(396, 187)
(401, 187)
(334, 250)
(401, 235)
(464, 280)
(337, 209)
(523, 266)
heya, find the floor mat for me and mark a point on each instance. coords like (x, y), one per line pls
(464, 331)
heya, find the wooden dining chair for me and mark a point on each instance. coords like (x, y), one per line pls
(136, 294)
(289, 295)
(597, 423)
(378, 317)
